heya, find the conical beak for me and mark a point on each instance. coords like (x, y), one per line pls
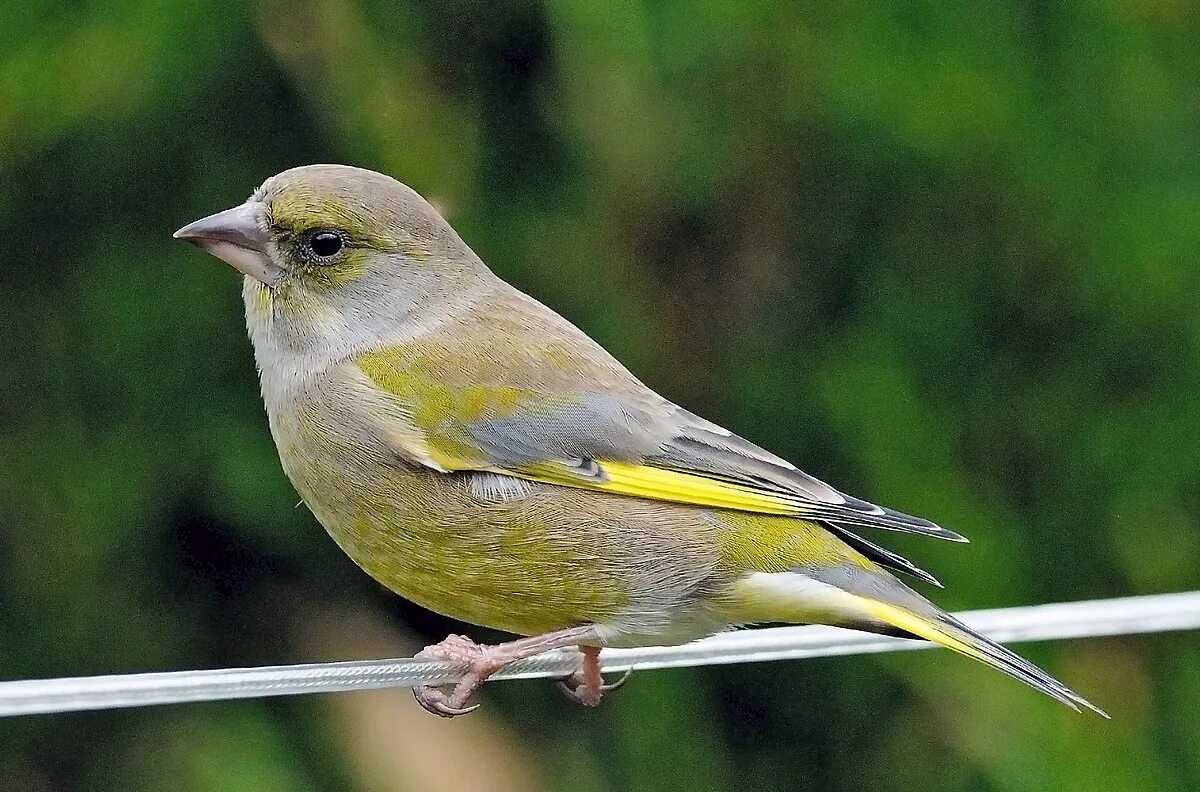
(238, 237)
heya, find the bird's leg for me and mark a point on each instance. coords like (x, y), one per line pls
(483, 661)
(587, 685)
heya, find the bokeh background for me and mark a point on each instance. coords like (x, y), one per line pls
(942, 255)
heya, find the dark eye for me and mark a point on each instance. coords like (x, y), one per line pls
(326, 244)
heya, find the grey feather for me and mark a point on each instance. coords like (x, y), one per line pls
(701, 446)
(881, 555)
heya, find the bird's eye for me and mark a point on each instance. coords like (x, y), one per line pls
(326, 244)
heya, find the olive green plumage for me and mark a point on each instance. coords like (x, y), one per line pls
(478, 454)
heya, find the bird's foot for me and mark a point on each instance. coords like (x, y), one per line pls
(456, 649)
(483, 661)
(587, 686)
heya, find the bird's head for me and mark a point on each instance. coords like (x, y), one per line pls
(322, 246)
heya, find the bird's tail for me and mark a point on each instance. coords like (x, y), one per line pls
(872, 600)
(943, 629)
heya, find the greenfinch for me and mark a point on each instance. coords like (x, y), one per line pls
(478, 454)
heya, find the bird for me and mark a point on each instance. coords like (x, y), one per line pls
(478, 454)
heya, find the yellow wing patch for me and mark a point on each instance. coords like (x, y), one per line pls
(646, 481)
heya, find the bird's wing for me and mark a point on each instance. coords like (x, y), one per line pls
(547, 415)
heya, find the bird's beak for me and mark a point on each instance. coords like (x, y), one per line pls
(237, 236)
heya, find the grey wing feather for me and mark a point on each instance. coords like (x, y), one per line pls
(880, 555)
(588, 427)
(700, 445)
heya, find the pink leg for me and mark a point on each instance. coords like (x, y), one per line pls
(483, 661)
(587, 685)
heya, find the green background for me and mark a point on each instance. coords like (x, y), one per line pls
(942, 255)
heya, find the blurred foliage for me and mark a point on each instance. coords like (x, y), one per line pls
(942, 255)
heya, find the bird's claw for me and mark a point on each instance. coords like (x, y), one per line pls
(456, 649)
(435, 701)
(577, 688)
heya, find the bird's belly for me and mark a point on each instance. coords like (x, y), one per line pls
(490, 565)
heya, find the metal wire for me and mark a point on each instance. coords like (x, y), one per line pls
(1130, 615)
